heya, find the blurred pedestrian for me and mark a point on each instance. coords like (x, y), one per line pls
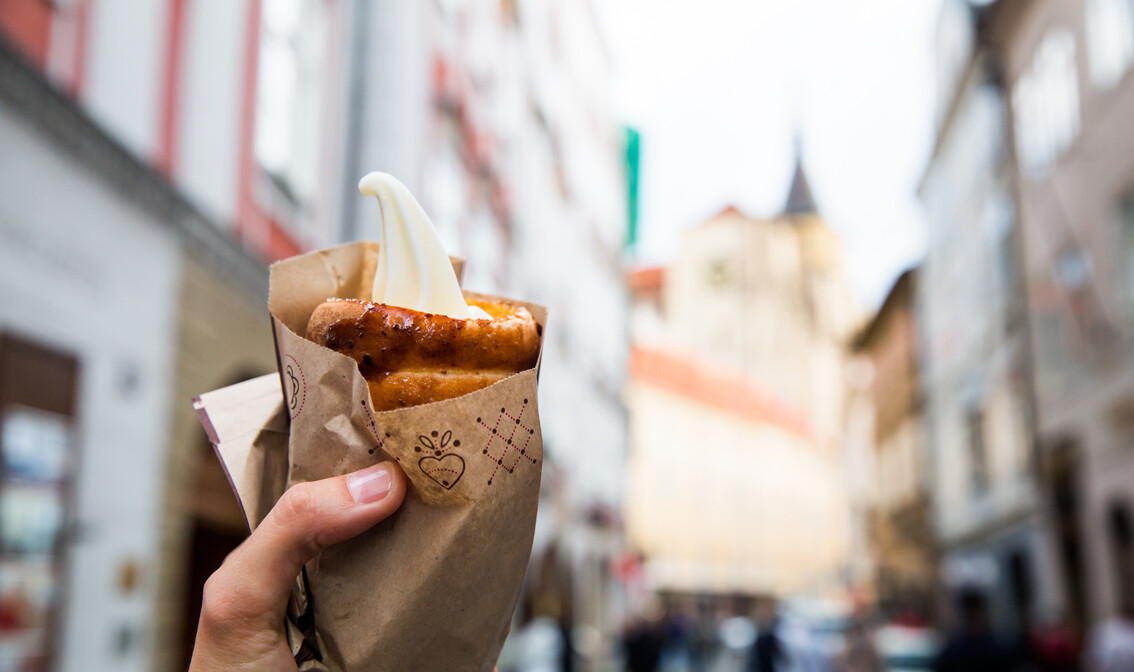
(678, 627)
(642, 645)
(1054, 646)
(768, 653)
(540, 643)
(703, 640)
(566, 630)
(737, 634)
(859, 654)
(973, 647)
(783, 644)
(1110, 644)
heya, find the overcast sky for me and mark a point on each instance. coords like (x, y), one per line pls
(716, 88)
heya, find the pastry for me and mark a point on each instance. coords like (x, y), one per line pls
(409, 357)
(418, 340)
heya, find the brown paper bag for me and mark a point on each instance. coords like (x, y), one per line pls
(434, 586)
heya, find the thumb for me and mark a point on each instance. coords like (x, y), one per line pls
(255, 581)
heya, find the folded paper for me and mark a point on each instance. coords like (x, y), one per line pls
(434, 586)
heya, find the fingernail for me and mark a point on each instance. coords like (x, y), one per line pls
(370, 484)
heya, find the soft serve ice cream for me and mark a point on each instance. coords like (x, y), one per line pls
(413, 270)
(417, 340)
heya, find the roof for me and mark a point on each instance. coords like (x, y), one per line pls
(729, 210)
(799, 199)
(647, 280)
(724, 213)
(723, 390)
(900, 294)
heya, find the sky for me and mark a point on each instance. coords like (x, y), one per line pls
(718, 89)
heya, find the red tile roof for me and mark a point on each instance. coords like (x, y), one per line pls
(647, 280)
(724, 390)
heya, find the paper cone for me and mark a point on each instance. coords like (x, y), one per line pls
(434, 586)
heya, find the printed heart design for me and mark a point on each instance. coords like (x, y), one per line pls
(445, 470)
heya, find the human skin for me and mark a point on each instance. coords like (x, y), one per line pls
(242, 611)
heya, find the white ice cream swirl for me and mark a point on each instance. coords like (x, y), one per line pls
(413, 270)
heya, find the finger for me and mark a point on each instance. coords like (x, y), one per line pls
(257, 578)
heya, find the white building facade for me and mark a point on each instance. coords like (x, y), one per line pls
(987, 507)
(1068, 77)
(253, 120)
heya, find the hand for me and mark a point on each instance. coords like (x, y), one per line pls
(242, 612)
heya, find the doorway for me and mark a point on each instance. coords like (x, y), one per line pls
(38, 460)
(216, 528)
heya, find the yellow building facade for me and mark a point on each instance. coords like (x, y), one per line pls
(726, 494)
(735, 479)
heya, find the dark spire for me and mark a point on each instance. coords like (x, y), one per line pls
(799, 199)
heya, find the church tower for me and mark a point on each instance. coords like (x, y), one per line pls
(799, 199)
(767, 298)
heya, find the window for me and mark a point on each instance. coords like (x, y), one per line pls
(1072, 268)
(1110, 40)
(721, 274)
(978, 453)
(1046, 104)
(1126, 221)
(37, 458)
(1001, 216)
(1021, 582)
(288, 94)
(1074, 274)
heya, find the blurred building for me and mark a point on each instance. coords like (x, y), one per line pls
(860, 476)
(735, 397)
(987, 512)
(898, 525)
(1065, 68)
(158, 155)
(122, 300)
